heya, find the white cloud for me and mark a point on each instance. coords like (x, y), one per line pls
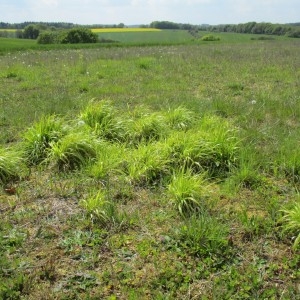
(50, 2)
(146, 11)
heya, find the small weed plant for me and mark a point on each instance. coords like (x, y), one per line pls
(253, 226)
(102, 211)
(246, 177)
(291, 165)
(187, 191)
(291, 222)
(246, 174)
(204, 236)
(210, 38)
(223, 139)
(145, 63)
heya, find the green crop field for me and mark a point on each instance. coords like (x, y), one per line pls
(149, 37)
(150, 172)
(12, 44)
(178, 36)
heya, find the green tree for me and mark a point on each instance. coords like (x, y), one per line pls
(249, 26)
(47, 37)
(294, 34)
(19, 34)
(31, 32)
(164, 25)
(79, 35)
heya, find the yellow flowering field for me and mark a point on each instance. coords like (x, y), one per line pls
(9, 30)
(104, 30)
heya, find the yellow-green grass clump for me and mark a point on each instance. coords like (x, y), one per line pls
(11, 165)
(73, 151)
(38, 138)
(291, 222)
(187, 191)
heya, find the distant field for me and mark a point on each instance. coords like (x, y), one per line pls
(157, 36)
(137, 36)
(169, 36)
(12, 44)
(9, 30)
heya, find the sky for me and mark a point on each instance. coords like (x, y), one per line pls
(132, 12)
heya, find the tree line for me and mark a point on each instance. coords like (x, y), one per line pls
(55, 25)
(54, 33)
(68, 36)
(60, 32)
(179, 26)
(291, 30)
(41, 25)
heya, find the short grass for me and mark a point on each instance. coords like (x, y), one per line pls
(10, 45)
(196, 198)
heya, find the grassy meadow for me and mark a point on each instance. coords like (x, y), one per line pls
(151, 172)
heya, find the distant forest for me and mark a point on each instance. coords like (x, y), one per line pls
(57, 25)
(291, 30)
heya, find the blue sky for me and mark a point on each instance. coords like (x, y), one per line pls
(145, 11)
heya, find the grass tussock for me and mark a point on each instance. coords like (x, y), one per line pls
(39, 137)
(109, 160)
(180, 118)
(148, 128)
(72, 151)
(148, 164)
(103, 212)
(102, 119)
(203, 235)
(291, 222)
(11, 165)
(212, 146)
